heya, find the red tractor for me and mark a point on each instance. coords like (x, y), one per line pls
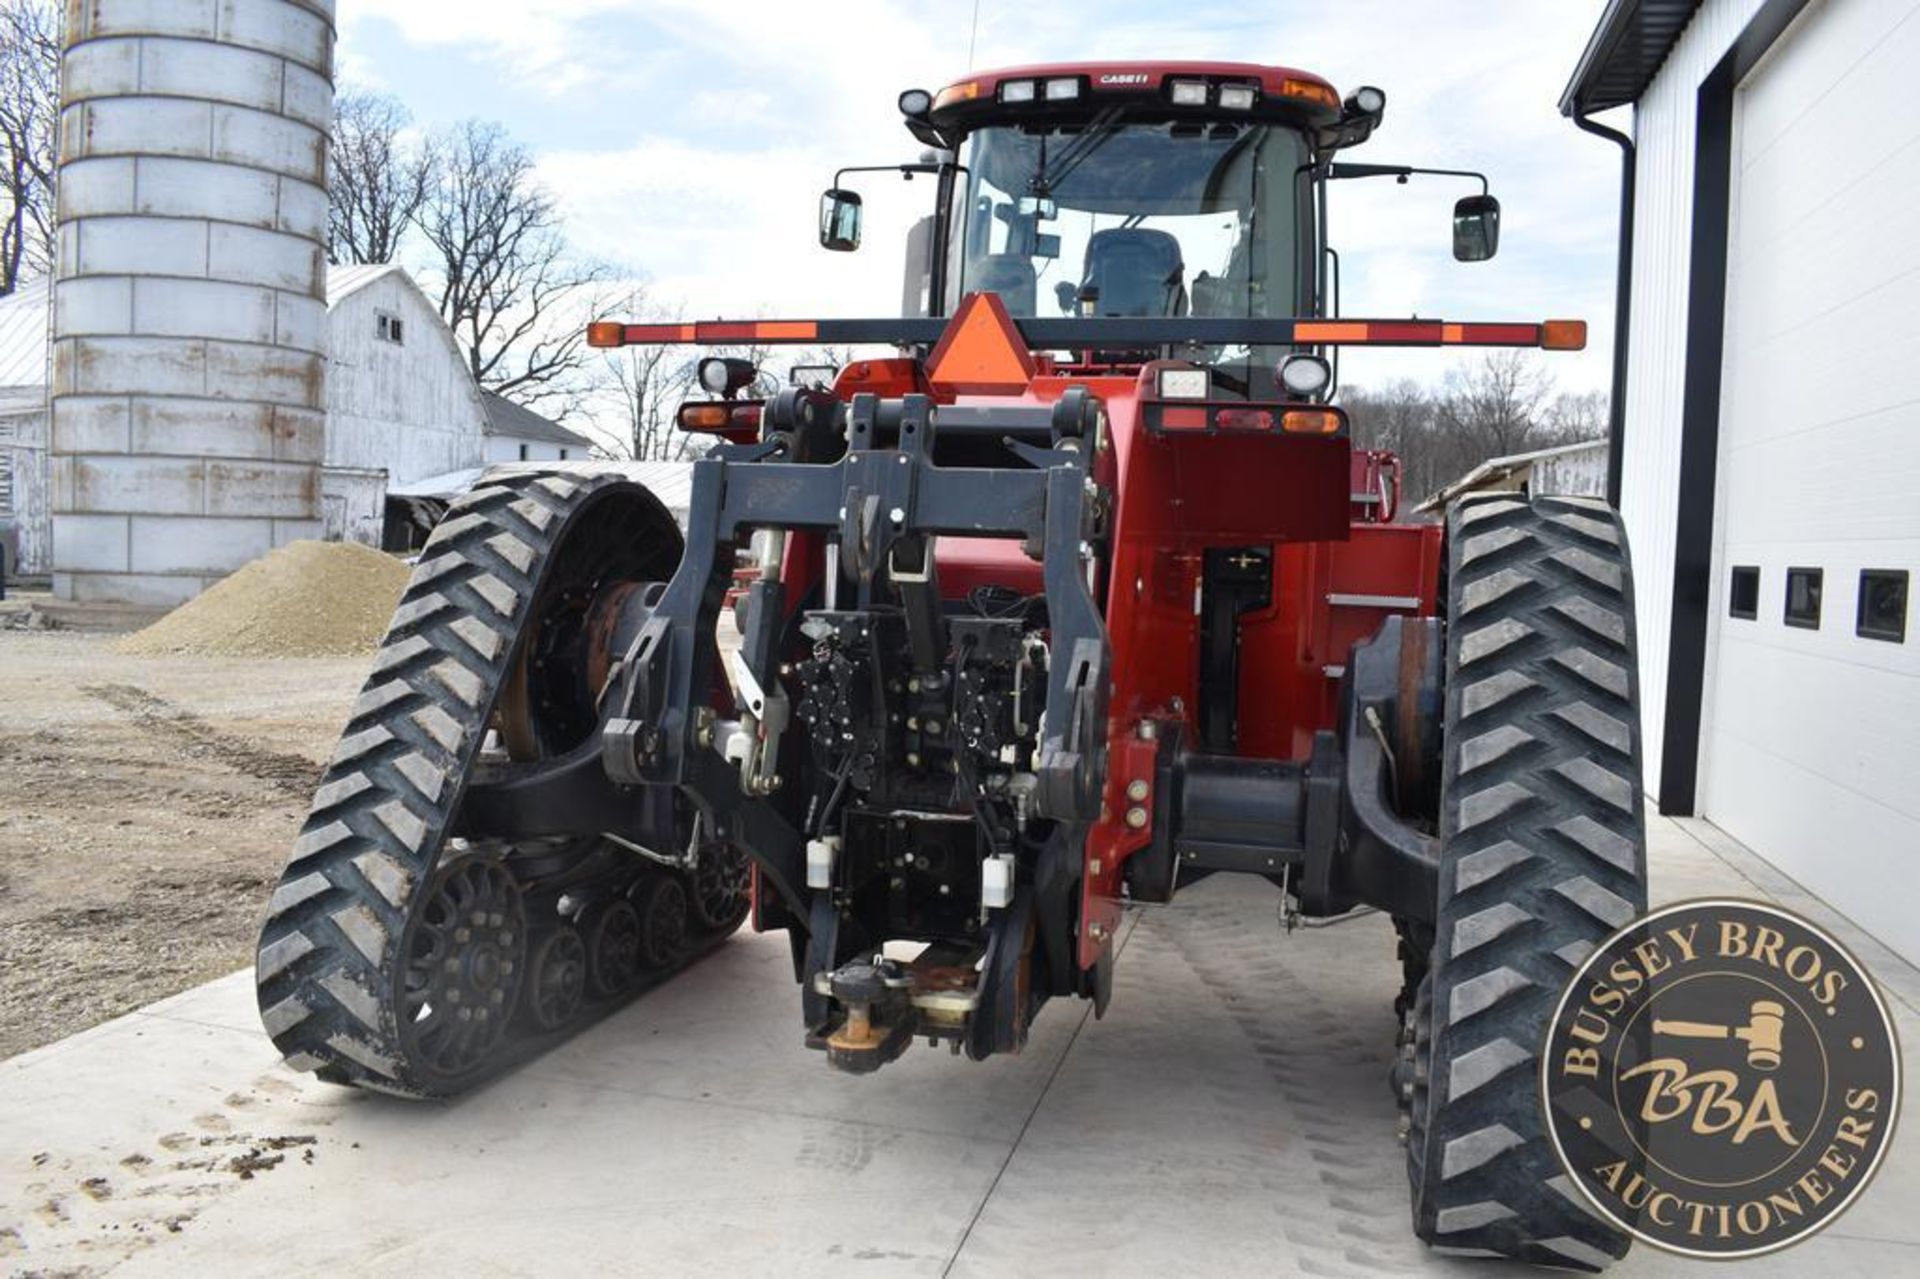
(1081, 595)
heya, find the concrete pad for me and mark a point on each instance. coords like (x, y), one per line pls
(1230, 1115)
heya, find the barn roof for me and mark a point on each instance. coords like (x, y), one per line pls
(343, 281)
(23, 335)
(518, 422)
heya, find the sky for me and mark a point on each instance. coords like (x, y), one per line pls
(688, 140)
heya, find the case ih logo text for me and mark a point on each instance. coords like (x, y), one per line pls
(1721, 1079)
(1124, 77)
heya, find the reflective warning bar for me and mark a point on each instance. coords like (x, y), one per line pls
(1107, 333)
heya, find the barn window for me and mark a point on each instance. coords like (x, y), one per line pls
(386, 326)
(1743, 596)
(1803, 598)
(523, 452)
(6, 483)
(563, 455)
(1882, 613)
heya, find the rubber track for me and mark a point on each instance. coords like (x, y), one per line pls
(1543, 856)
(329, 957)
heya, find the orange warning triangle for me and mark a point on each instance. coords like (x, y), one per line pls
(981, 352)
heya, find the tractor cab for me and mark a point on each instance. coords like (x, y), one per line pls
(1137, 190)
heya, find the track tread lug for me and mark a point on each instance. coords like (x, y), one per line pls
(1542, 856)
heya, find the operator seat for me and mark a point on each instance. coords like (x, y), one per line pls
(1010, 275)
(1134, 271)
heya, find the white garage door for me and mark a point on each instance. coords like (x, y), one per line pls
(1811, 754)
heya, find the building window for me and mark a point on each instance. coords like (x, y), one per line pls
(523, 452)
(563, 455)
(1803, 598)
(6, 483)
(1882, 613)
(1743, 595)
(387, 326)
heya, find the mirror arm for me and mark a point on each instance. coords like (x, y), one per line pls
(1338, 170)
(905, 170)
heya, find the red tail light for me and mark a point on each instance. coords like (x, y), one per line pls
(1243, 419)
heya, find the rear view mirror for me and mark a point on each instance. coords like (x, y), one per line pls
(1040, 208)
(1476, 228)
(840, 220)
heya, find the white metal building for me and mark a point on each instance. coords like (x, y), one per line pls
(401, 404)
(516, 433)
(1570, 470)
(24, 524)
(1771, 434)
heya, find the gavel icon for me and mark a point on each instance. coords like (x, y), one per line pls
(1762, 1032)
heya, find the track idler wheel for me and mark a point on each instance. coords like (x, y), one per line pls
(557, 981)
(466, 960)
(663, 922)
(612, 933)
(721, 881)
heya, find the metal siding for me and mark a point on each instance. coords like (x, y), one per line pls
(1810, 744)
(410, 408)
(1578, 474)
(353, 505)
(188, 375)
(24, 524)
(1663, 127)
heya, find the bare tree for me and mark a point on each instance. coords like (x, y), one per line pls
(1503, 405)
(29, 113)
(518, 301)
(1579, 416)
(377, 180)
(1496, 407)
(651, 380)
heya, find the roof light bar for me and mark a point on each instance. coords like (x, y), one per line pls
(1189, 93)
(1016, 90)
(1063, 90)
(1238, 97)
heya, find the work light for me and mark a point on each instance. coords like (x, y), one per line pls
(1305, 376)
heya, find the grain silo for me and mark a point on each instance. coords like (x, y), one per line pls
(189, 317)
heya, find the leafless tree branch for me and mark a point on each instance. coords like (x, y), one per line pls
(378, 178)
(29, 116)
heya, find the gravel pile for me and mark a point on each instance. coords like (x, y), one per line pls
(307, 599)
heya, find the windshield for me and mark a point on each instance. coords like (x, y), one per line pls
(1115, 217)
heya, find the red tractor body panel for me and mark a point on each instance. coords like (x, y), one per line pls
(1337, 574)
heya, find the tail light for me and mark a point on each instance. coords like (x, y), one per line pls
(738, 422)
(605, 333)
(1241, 419)
(1311, 422)
(1237, 419)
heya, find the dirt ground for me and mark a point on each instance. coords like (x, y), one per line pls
(146, 805)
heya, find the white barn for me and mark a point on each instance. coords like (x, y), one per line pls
(1769, 440)
(401, 403)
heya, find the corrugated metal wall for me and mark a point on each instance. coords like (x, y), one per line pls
(1657, 346)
